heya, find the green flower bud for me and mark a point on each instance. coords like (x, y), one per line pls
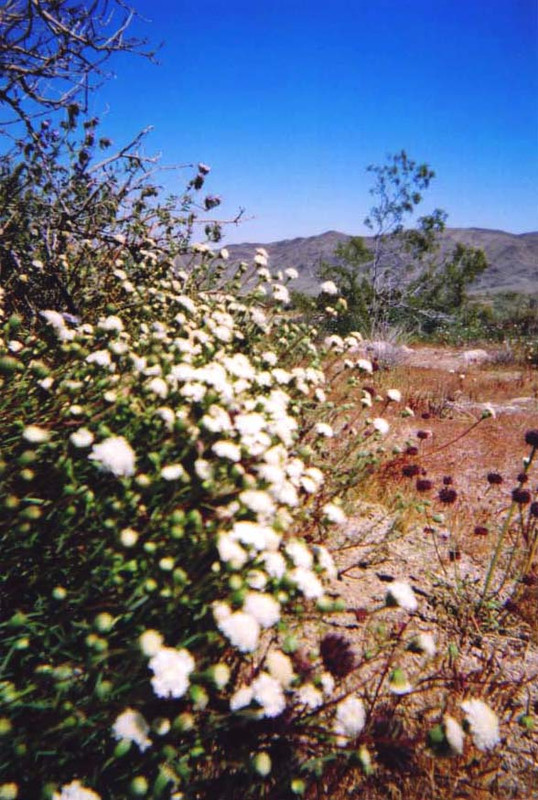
(261, 763)
(139, 786)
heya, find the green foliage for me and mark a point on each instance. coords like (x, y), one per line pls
(402, 278)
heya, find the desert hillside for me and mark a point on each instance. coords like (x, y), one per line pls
(513, 257)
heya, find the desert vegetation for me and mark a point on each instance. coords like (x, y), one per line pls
(243, 556)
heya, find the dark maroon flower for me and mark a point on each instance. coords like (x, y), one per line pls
(521, 496)
(424, 485)
(423, 434)
(426, 415)
(303, 665)
(494, 478)
(511, 606)
(337, 655)
(447, 480)
(447, 495)
(361, 614)
(530, 579)
(454, 555)
(481, 530)
(411, 451)
(531, 437)
(522, 477)
(533, 510)
(370, 389)
(410, 470)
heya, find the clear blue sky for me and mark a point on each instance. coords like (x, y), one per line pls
(290, 100)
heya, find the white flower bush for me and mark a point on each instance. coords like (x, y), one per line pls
(175, 471)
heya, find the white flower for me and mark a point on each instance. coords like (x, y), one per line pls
(14, 346)
(203, 469)
(364, 365)
(453, 734)
(230, 551)
(224, 254)
(325, 561)
(128, 537)
(260, 260)
(309, 696)
(307, 583)
(132, 726)
(46, 383)
(115, 455)
(263, 607)
(57, 322)
(228, 450)
(220, 675)
(350, 717)
(110, 324)
(35, 435)
(258, 501)
(394, 395)
(322, 429)
(75, 791)
(81, 438)
(252, 534)
(242, 630)
(262, 764)
(268, 692)
(280, 667)
(299, 554)
(173, 472)
(329, 287)
(281, 294)
(159, 387)
(401, 594)
(381, 425)
(171, 670)
(423, 643)
(150, 642)
(275, 565)
(241, 698)
(291, 273)
(167, 415)
(100, 357)
(483, 722)
(334, 513)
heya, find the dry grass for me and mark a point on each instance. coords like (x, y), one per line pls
(400, 529)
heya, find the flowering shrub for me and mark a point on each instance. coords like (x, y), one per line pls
(160, 465)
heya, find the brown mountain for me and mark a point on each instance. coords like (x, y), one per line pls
(513, 258)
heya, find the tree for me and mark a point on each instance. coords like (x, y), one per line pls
(68, 199)
(403, 277)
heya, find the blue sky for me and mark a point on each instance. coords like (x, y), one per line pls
(289, 101)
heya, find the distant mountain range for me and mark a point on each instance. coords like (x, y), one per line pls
(513, 258)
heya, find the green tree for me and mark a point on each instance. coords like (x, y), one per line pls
(403, 276)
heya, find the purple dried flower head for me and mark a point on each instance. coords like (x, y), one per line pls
(361, 614)
(410, 470)
(423, 434)
(531, 437)
(426, 415)
(521, 496)
(424, 485)
(522, 477)
(301, 663)
(447, 480)
(337, 655)
(481, 530)
(494, 479)
(533, 510)
(511, 606)
(447, 495)
(411, 450)
(454, 555)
